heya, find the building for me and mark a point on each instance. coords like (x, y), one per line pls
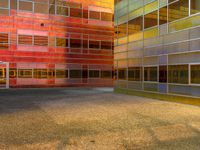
(54, 43)
(157, 46)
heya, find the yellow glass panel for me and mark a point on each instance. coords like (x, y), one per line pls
(150, 7)
(136, 13)
(135, 36)
(122, 40)
(122, 19)
(185, 23)
(151, 33)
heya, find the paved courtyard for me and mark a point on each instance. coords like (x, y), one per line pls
(94, 119)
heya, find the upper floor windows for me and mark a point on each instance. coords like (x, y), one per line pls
(4, 5)
(4, 41)
(33, 40)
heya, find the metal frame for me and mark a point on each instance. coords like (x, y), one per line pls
(7, 73)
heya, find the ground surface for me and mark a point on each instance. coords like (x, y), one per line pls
(92, 119)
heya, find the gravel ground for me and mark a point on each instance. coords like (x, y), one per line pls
(94, 119)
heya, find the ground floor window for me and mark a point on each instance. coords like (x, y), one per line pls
(163, 74)
(25, 73)
(195, 74)
(40, 73)
(61, 73)
(134, 73)
(151, 74)
(122, 74)
(178, 74)
(75, 73)
(94, 73)
(106, 74)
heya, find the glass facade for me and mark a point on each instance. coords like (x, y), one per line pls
(57, 42)
(157, 46)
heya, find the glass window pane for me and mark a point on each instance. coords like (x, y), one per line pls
(41, 8)
(40, 73)
(106, 45)
(135, 25)
(94, 44)
(163, 15)
(195, 6)
(178, 10)
(41, 40)
(25, 39)
(151, 19)
(61, 42)
(134, 74)
(122, 30)
(75, 73)
(61, 73)
(62, 11)
(163, 74)
(106, 74)
(4, 41)
(4, 12)
(25, 73)
(4, 3)
(74, 12)
(95, 15)
(106, 16)
(150, 74)
(94, 73)
(26, 6)
(75, 43)
(195, 74)
(122, 74)
(178, 74)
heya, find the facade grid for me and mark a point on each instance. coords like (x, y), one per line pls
(157, 46)
(50, 43)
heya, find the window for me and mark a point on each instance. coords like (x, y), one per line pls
(25, 39)
(64, 11)
(25, 6)
(12, 72)
(94, 44)
(52, 9)
(4, 7)
(85, 14)
(13, 4)
(195, 74)
(85, 73)
(151, 19)
(61, 73)
(150, 74)
(94, 73)
(25, 73)
(75, 74)
(75, 43)
(178, 10)
(134, 74)
(41, 40)
(106, 45)
(51, 73)
(178, 74)
(2, 72)
(195, 6)
(40, 73)
(135, 25)
(95, 15)
(122, 74)
(163, 74)
(163, 15)
(4, 3)
(106, 74)
(74, 12)
(41, 8)
(4, 41)
(106, 16)
(61, 42)
(85, 44)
